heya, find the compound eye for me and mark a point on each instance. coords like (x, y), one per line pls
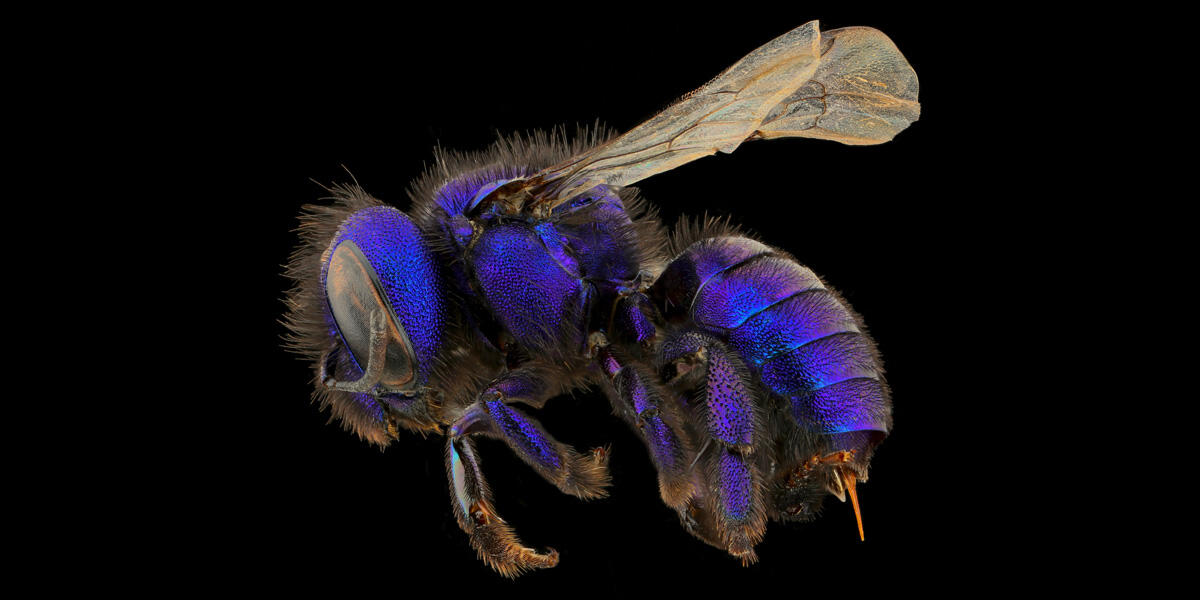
(354, 291)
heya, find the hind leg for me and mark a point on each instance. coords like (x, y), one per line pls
(725, 413)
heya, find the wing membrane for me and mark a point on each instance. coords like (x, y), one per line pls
(864, 92)
(849, 85)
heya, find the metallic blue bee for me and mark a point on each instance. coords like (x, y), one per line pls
(532, 269)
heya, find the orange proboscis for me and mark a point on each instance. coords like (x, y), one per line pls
(848, 475)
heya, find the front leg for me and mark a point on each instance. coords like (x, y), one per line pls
(492, 538)
(585, 476)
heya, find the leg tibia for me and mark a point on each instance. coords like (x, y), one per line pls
(738, 503)
(638, 400)
(582, 475)
(724, 411)
(492, 538)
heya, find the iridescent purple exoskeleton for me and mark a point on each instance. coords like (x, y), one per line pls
(531, 269)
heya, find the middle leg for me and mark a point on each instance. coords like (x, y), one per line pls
(638, 399)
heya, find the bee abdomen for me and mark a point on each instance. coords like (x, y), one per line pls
(833, 384)
(804, 343)
(734, 296)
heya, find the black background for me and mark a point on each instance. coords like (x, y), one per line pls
(277, 108)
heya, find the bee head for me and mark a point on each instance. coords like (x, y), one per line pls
(375, 317)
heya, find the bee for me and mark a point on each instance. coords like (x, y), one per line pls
(533, 268)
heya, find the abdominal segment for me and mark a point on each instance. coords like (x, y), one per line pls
(815, 373)
(802, 341)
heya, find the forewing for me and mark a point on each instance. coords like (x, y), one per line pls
(863, 92)
(849, 85)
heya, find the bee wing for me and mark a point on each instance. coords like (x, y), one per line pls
(849, 85)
